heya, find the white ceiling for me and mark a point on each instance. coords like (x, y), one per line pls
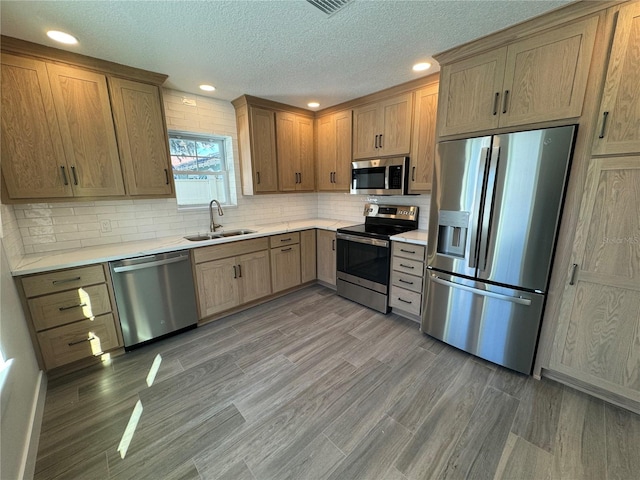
(282, 50)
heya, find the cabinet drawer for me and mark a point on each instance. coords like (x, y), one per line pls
(405, 300)
(66, 307)
(284, 239)
(408, 250)
(405, 265)
(79, 340)
(226, 250)
(406, 281)
(62, 280)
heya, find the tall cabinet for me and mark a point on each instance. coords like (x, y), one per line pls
(333, 151)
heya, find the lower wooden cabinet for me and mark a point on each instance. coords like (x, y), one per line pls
(232, 274)
(407, 279)
(285, 261)
(307, 256)
(71, 314)
(326, 244)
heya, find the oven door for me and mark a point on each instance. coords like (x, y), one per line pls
(363, 261)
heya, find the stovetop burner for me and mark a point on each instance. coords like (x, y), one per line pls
(383, 221)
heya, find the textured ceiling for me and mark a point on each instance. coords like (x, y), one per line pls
(283, 50)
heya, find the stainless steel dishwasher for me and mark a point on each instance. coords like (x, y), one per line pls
(155, 296)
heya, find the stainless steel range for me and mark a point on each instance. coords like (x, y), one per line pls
(364, 253)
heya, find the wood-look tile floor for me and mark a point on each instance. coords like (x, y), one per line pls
(312, 386)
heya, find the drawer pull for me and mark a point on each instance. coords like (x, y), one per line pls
(407, 266)
(408, 251)
(62, 309)
(404, 281)
(66, 280)
(285, 239)
(82, 341)
(403, 300)
(286, 249)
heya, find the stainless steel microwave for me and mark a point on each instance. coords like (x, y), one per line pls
(382, 176)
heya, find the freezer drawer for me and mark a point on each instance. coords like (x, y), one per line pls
(495, 323)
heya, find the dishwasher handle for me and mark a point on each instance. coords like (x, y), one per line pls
(156, 263)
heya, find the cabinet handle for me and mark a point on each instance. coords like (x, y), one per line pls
(285, 239)
(574, 270)
(71, 344)
(333, 245)
(239, 271)
(413, 174)
(64, 176)
(495, 103)
(377, 140)
(505, 101)
(235, 272)
(66, 280)
(408, 251)
(166, 176)
(407, 266)
(286, 249)
(299, 178)
(403, 300)
(62, 309)
(333, 177)
(258, 178)
(380, 143)
(605, 115)
(75, 177)
(404, 281)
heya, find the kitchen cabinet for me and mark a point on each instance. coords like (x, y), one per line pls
(333, 152)
(307, 256)
(619, 120)
(383, 128)
(326, 244)
(58, 138)
(407, 279)
(539, 78)
(423, 144)
(294, 147)
(596, 341)
(71, 315)
(231, 274)
(140, 127)
(285, 261)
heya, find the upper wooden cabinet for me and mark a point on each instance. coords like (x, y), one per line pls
(423, 145)
(141, 130)
(619, 127)
(333, 151)
(383, 128)
(294, 146)
(540, 78)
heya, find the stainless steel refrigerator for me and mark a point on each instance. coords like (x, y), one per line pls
(495, 210)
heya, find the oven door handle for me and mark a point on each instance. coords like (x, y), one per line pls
(366, 240)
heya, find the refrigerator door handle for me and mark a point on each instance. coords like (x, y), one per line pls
(485, 230)
(477, 291)
(473, 248)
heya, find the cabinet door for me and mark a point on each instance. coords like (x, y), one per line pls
(142, 137)
(84, 114)
(470, 92)
(423, 146)
(342, 170)
(395, 116)
(306, 163)
(255, 275)
(288, 148)
(217, 286)
(326, 147)
(365, 131)
(32, 153)
(326, 244)
(263, 150)
(619, 130)
(307, 255)
(597, 338)
(546, 75)
(285, 267)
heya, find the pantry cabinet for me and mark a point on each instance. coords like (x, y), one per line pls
(383, 128)
(333, 151)
(423, 145)
(294, 146)
(539, 78)
(619, 119)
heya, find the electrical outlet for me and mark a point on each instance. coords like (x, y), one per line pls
(105, 226)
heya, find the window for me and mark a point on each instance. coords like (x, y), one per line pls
(200, 169)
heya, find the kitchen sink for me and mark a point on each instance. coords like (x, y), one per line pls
(212, 236)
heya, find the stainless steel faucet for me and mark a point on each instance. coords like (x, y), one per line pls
(214, 225)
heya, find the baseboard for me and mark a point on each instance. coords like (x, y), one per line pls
(35, 424)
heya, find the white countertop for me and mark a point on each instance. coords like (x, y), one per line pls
(37, 263)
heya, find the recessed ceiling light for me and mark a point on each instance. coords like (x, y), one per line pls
(420, 67)
(313, 104)
(207, 88)
(62, 37)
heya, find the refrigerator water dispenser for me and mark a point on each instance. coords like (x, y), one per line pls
(452, 232)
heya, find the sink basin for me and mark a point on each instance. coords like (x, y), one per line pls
(212, 236)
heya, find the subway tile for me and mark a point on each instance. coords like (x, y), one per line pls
(37, 212)
(63, 211)
(52, 247)
(137, 236)
(92, 242)
(39, 239)
(34, 222)
(95, 210)
(86, 227)
(74, 219)
(64, 237)
(34, 231)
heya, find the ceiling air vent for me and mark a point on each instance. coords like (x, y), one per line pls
(329, 6)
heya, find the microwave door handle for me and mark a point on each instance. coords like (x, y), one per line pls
(386, 177)
(489, 197)
(475, 219)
